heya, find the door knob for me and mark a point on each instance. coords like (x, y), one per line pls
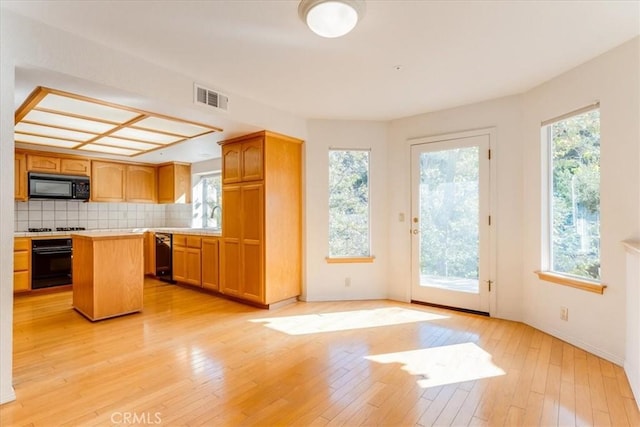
(415, 231)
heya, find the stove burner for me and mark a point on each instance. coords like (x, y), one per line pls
(38, 230)
(70, 228)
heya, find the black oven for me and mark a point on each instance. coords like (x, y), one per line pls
(50, 262)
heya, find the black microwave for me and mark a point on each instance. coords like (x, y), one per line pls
(52, 186)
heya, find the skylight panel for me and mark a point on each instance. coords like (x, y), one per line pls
(87, 109)
(109, 150)
(42, 140)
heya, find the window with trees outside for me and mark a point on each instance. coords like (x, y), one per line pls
(207, 202)
(349, 234)
(574, 194)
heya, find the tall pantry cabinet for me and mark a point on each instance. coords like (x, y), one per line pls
(261, 251)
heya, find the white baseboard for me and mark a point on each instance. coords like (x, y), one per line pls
(613, 358)
(8, 395)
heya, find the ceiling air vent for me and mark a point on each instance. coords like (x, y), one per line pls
(211, 98)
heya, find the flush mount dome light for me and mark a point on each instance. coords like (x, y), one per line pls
(331, 18)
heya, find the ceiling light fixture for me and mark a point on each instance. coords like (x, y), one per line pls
(331, 18)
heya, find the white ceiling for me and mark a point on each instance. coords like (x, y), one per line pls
(450, 53)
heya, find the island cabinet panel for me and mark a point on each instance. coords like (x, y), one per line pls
(261, 248)
(150, 253)
(141, 184)
(210, 263)
(107, 181)
(21, 264)
(100, 290)
(20, 179)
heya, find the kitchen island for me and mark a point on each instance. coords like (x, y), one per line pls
(108, 274)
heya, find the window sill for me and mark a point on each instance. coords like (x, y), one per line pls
(350, 260)
(585, 285)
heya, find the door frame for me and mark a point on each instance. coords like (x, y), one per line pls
(493, 202)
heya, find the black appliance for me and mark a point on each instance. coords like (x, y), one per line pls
(50, 262)
(164, 257)
(50, 186)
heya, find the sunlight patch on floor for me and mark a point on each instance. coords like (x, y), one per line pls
(444, 365)
(346, 320)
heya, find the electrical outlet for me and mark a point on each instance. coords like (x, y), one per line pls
(401, 217)
(564, 313)
(347, 281)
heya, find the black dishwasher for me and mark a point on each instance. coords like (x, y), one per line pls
(164, 257)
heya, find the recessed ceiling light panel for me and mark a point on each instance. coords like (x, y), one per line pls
(43, 140)
(61, 119)
(126, 143)
(54, 132)
(171, 126)
(66, 122)
(77, 107)
(109, 150)
(146, 136)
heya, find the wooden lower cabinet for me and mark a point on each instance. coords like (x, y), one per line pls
(21, 264)
(210, 263)
(187, 259)
(242, 255)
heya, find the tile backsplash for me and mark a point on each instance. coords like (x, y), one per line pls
(92, 216)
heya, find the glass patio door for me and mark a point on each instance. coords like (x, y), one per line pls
(450, 222)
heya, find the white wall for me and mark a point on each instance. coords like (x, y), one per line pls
(505, 116)
(6, 218)
(327, 281)
(596, 322)
(632, 351)
(28, 43)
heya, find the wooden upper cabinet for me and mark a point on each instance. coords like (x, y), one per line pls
(141, 184)
(107, 181)
(56, 164)
(243, 161)
(174, 183)
(20, 179)
(231, 164)
(252, 159)
(37, 163)
(75, 166)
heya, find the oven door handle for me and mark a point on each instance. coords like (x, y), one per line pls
(54, 252)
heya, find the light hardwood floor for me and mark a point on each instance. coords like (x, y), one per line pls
(194, 359)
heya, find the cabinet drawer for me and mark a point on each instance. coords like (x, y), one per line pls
(21, 281)
(194, 241)
(20, 261)
(179, 240)
(21, 245)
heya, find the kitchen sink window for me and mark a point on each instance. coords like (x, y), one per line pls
(207, 202)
